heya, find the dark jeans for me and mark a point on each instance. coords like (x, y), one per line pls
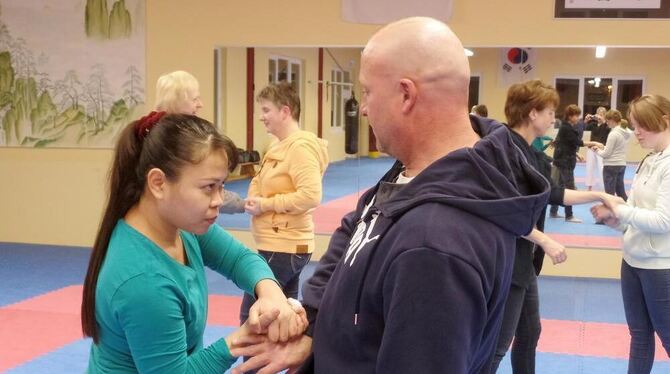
(566, 179)
(521, 321)
(613, 180)
(286, 268)
(646, 300)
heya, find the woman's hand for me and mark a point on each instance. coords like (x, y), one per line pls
(253, 206)
(248, 334)
(604, 214)
(611, 201)
(555, 250)
(292, 319)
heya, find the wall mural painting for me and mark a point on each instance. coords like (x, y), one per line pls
(71, 71)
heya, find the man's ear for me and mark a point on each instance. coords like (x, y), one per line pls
(409, 93)
(156, 182)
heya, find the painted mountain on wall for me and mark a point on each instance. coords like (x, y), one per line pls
(107, 25)
(60, 87)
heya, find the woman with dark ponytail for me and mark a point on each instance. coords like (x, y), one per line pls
(145, 293)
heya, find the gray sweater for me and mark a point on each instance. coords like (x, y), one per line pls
(614, 153)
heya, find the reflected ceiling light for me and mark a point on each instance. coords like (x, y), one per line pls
(468, 52)
(600, 51)
(597, 79)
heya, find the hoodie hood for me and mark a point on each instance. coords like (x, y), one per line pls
(491, 180)
(625, 133)
(279, 149)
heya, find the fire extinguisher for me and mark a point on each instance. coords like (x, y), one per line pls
(351, 125)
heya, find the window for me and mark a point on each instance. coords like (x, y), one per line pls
(473, 97)
(568, 91)
(627, 91)
(597, 93)
(589, 93)
(285, 69)
(340, 92)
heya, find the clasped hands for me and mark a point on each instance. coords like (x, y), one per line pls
(594, 146)
(272, 335)
(605, 212)
(252, 206)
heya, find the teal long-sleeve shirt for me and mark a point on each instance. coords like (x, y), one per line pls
(151, 310)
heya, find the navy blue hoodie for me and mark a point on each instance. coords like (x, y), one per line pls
(418, 283)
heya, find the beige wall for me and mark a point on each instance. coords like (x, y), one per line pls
(56, 196)
(51, 196)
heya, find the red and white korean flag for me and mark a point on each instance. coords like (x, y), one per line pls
(516, 65)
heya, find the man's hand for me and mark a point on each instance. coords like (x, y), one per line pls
(272, 357)
(247, 333)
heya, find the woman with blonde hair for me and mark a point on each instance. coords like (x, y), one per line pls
(179, 92)
(645, 222)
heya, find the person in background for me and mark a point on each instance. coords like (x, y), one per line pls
(599, 131)
(530, 110)
(614, 155)
(286, 190)
(179, 92)
(145, 293)
(566, 146)
(480, 110)
(645, 222)
(541, 143)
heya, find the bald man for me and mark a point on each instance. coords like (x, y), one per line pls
(415, 280)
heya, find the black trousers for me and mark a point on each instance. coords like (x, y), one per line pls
(566, 179)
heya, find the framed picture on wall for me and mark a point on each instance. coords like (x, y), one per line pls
(636, 9)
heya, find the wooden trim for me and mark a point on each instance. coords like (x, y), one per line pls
(319, 110)
(250, 98)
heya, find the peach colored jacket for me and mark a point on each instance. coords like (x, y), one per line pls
(289, 183)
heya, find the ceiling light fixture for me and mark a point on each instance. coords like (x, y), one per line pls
(600, 51)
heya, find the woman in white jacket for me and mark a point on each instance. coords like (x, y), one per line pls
(614, 154)
(645, 222)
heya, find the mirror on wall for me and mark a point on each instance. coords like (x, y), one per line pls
(326, 77)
